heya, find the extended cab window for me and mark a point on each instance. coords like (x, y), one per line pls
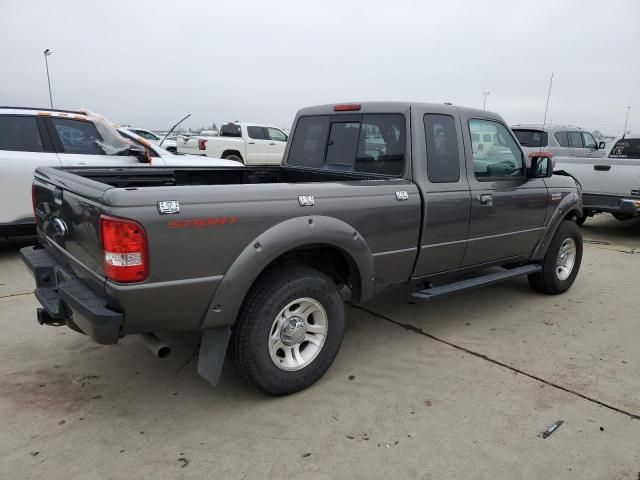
(77, 136)
(531, 138)
(257, 133)
(626, 148)
(501, 157)
(19, 134)
(443, 155)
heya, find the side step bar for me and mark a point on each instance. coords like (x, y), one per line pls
(490, 279)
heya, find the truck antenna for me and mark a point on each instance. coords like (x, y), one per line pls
(546, 109)
(172, 129)
(624, 132)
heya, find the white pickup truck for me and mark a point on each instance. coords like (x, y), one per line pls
(609, 184)
(248, 143)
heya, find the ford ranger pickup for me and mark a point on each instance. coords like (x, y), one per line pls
(261, 259)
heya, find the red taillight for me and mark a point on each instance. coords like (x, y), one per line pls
(347, 107)
(202, 144)
(124, 249)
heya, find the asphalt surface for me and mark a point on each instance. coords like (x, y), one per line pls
(461, 387)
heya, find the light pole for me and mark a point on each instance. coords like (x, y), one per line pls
(46, 53)
(624, 132)
(484, 102)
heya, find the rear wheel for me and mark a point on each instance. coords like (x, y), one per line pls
(561, 263)
(289, 330)
(234, 157)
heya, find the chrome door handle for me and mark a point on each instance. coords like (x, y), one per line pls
(573, 153)
(486, 199)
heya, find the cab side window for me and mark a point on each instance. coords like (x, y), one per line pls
(575, 140)
(562, 138)
(443, 155)
(589, 141)
(19, 134)
(276, 135)
(495, 151)
(77, 136)
(257, 133)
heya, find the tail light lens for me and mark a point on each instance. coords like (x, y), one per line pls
(347, 107)
(202, 144)
(124, 245)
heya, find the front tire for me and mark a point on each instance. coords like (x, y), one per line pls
(562, 261)
(289, 330)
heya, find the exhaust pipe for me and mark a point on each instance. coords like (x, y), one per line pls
(156, 346)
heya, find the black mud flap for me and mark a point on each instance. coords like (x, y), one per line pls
(213, 349)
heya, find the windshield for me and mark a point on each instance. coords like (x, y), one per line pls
(626, 148)
(531, 138)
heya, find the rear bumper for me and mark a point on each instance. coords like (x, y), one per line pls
(67, 300)
(606, 203)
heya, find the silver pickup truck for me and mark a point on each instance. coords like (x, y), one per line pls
(259, 259)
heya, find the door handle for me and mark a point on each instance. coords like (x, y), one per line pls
(486, 199)
(252, 143)
(272, 143)
(573, 153)
(602, 168)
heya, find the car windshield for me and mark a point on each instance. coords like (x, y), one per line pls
(626, 148)
(531, 138)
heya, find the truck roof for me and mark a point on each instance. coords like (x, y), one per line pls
(395, 107)
(547, 127)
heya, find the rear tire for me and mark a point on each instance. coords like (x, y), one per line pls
(234, 157)
(289, 330)
(561, 263)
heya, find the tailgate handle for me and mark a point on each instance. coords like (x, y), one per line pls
(57, 196)
(602, 168)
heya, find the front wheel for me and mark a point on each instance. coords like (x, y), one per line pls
(561, 263)
(289, 330)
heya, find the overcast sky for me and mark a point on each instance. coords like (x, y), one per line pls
(149, 63)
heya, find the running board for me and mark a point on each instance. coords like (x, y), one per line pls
(490, 279)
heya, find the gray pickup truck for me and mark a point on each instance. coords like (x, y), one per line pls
(259, 259)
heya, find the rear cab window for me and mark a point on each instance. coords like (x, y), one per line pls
(626, 148)
(257, 133)
(20, 134)
(230, 130)
(531, 137)
(367, 143)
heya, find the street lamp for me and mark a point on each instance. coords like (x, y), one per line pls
(46, 53)
(484, 102)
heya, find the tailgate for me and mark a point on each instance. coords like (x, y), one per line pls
(67, 209)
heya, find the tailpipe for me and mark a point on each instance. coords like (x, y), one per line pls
(156, 346)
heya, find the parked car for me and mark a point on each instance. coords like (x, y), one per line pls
(257, 258)
(247, 143)
(559, 140)
(31, 137)
(169, 144)
(190, 143)
(610, 184)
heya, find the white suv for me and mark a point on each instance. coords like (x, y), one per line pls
(30, 138)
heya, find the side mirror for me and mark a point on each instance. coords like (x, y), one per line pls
(601, 146)
(541, 165)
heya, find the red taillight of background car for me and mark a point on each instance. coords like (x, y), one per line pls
(124, 249)
(202, 144)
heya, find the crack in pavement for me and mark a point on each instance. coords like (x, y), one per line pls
(15, 295)
(420, 331)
